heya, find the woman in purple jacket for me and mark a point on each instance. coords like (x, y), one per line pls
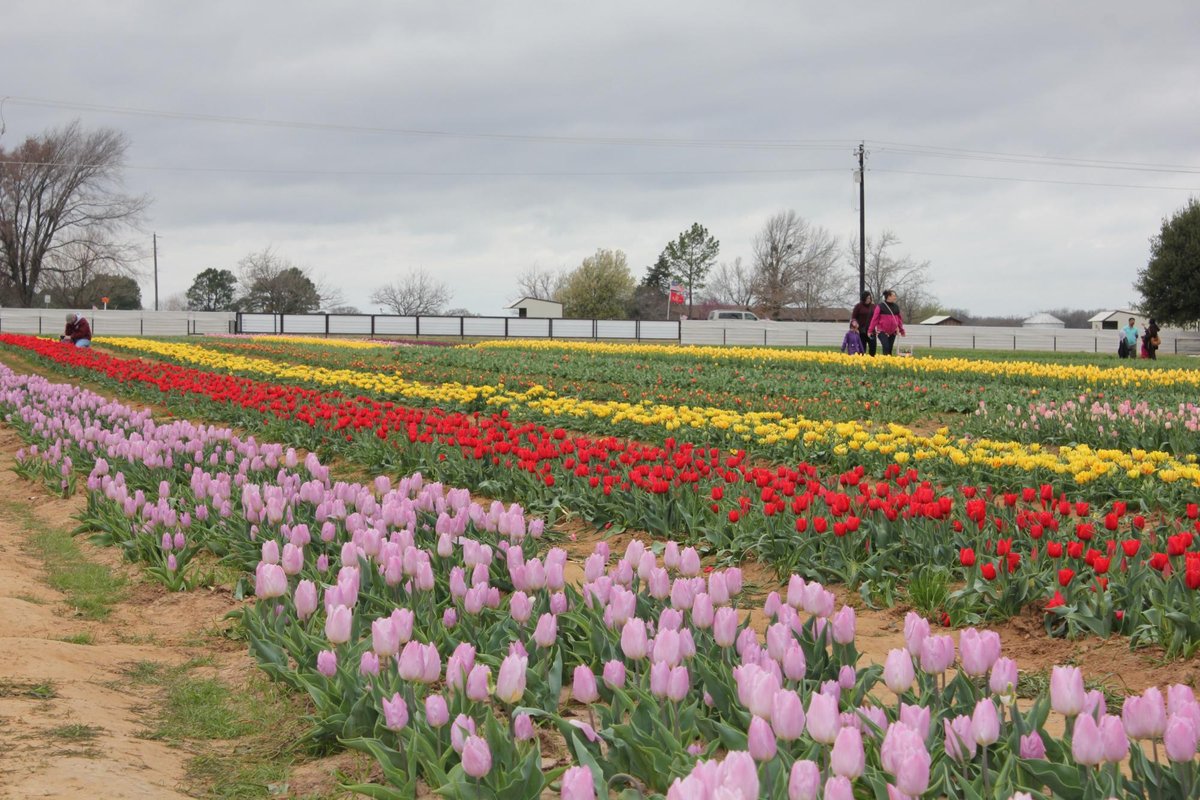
(887, 322)
(862, 314)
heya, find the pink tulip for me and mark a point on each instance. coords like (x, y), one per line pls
(395, 713)
(269, 581)
(462, 728)
(678, 684)
(985, 724)
(578, 784)
(411, 661)
(761, 740)
(660, 673)
(689, 562)
(916, 631)
(633, 639)
(1180, 738)
(838, 787)
(520, 607)
(337, 624)
(805, 780)
(437, 713)
(848, 757)
(477, 683)
(1086, 746)
(1113, 738)
(898, 672)
(823, 720)
(725, 626)
(960, 741)
(844, 623)
(583, 686)
(510, 682)
(476, 757)
(368, 664)
(327, 663)
(270, 551)
(1004, 678)
(702, 611)
(978, 651)
(937, 654)
(293, 559)
(523, 728)
(305, 598)
(1066, 690)
(787, 715)
(546, 631)
(1145, 715)
(1032, 746)
(614, 674)
(384, 640)
(794, 664)
(917, 718)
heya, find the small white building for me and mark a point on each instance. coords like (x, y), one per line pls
(1043, 320)
(1116, 320)
(942, 319)
(536, 307)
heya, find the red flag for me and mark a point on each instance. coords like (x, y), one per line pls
(676, 292)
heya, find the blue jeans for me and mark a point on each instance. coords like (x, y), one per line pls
(83, 342)
(886, 342)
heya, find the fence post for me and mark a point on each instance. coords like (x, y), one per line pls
(637, 330)
(461, 328)
(506, 327)
(724, 336)
(972, 341)
(931, 341)
(1014, 341)
(141, 326)
(1054, 339)
(39, 324)
(596, 329)
(326, 326)
(764, 337)
(418, 326)
(550, 328)
(372, 326)
(806, 337)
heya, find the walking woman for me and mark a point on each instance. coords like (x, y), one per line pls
(862, 314)
(1151, 340)
(887, 322)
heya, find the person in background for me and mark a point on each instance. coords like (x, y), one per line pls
(1150, 341)
(852, 343)
(862, 315)
(78, 331)
(1129, 340)
(887, 322)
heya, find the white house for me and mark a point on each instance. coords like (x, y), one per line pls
(1116, 320)
(536, 307)
(1043, 320)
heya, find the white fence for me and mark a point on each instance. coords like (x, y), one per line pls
(52, 321)
(953, 337)
(387, 325)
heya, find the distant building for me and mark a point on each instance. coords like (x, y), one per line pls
(942, 319)
(1043, 321)
(1115, 320)
(536, 307)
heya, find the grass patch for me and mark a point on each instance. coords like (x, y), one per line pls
(75, 733)
(28, 598)
(79, 638)
(35, 691)
(90, 588)
(928, 590)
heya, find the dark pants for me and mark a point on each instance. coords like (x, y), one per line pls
(886, 342)
(868, 343)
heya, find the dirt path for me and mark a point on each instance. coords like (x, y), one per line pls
(72, 723)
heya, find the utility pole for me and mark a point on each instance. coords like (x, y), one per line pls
(861, 175)
(156, 266)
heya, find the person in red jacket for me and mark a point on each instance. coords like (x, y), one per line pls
(77, 332)
(887, 322)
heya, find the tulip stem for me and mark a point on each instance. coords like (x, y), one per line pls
(985, 771)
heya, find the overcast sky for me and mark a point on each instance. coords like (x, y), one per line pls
(532, 91)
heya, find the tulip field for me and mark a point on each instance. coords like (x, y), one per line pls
(406, 522)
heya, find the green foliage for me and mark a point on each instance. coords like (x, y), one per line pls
(1170, 282)
(599, 288)
(690, 257)
(212, 290)
(123, 292)
(658, 276)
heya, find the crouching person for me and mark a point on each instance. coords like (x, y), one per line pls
(78, 332)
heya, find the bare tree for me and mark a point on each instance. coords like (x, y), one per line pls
(61, 205)
(275, 285)
(904, 275)
(413, 294)
(795, 264)
(538, 283)
(732, 284)
(175, 302)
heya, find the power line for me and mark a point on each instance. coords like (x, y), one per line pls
(1037, 180)
(639, 141)
(935, 151)
(444, 173)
